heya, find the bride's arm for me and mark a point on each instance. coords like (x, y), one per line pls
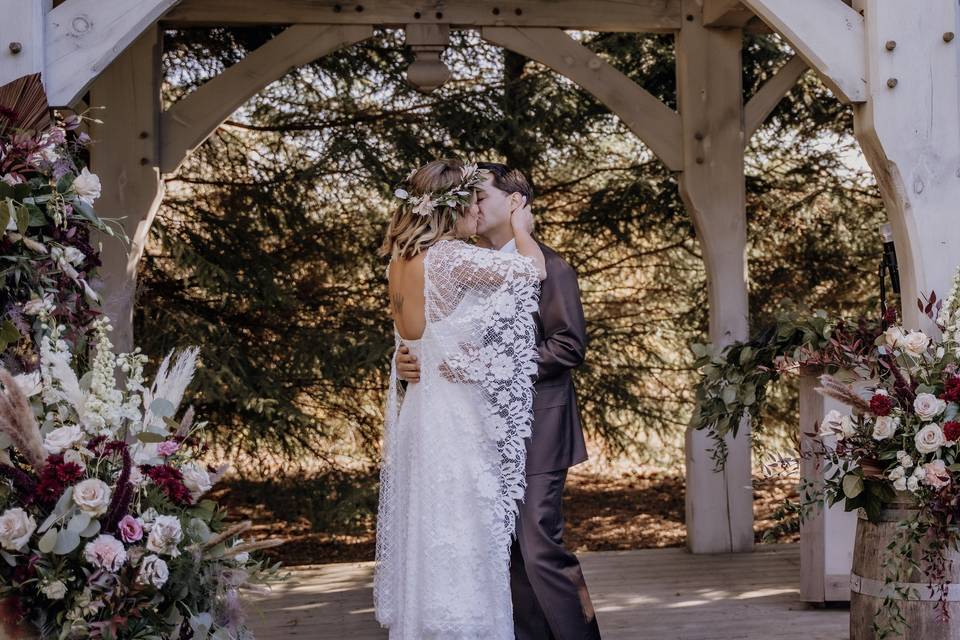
(522, 221)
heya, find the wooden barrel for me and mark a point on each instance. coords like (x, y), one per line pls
(867, 588)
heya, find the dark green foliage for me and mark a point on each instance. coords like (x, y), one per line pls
(265, 250)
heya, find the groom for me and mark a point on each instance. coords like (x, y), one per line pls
(550, 598)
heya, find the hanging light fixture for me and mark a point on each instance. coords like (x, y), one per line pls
(427, 72)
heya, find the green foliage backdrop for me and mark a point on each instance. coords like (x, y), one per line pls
(264, 252)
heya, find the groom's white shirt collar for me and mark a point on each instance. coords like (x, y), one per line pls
(510, 247)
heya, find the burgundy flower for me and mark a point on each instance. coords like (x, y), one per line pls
(881, 404)
(170, 481)
(951, 431)
(54, 479)
(951, 389)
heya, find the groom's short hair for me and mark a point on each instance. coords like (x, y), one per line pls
(509, 180)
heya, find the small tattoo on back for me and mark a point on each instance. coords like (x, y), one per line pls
(397, 300)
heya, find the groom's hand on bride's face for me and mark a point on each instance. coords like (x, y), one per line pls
(407, 366)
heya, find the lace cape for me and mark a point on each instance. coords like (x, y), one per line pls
(479, 307)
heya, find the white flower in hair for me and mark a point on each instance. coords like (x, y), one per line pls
(401, 193)
(423, 205)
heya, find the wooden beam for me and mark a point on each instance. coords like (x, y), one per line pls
(910, 135)
(726, 13)
(598, 15)
(828, 34)
(719, 505)
(193, 119)
(124, 155)
(21, 38)
(84, 36)
(655, 124)
(765, 100)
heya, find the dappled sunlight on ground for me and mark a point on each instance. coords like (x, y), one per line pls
(331, 518)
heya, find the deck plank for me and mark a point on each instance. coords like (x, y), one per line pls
(649, 593)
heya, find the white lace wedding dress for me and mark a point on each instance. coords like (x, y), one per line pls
(454, 457)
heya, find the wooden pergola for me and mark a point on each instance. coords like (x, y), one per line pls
(897, 63)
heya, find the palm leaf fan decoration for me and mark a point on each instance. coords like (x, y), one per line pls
(23, 105)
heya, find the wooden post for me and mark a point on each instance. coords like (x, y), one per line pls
(909, 130)
(22, 38)
(125, 155)
(719, 506)
(826, 538)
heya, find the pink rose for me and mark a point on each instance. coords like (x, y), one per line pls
(936, 474)
(167, 448)
(105, 552)
(130, 529)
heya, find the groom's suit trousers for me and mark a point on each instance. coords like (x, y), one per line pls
(550, 598)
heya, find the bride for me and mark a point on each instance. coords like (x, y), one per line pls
(453, 453)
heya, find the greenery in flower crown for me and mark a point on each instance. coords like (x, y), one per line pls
(456, 198)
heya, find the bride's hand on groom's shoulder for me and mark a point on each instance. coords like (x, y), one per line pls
(407, 366)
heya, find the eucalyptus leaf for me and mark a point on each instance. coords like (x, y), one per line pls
(67, 541)
(92, 529)
(8, 558)
(64, 502)
(79, 522)
(48, 540)
(48, 522)
(162, 408)
(149, 437)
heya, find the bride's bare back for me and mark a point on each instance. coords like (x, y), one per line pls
(406, 296)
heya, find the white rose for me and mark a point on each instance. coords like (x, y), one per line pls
(900, 484)
(892, 336)
(36, 305)
(153, 570)
(913, 483)
(831, 423)
(62, 438)
(848, 427)
(145, 453)
(29, 384)
(904, 459)
(896, 473)
(87, 186)
(92, 496)
(55, 590)
(930, 438)
(73, 255)
(165, 535)
(915, 343)
(928, 406)
(885, 427)
(196, 479)
(16, 527)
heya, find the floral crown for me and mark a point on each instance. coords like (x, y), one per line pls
(455, 198)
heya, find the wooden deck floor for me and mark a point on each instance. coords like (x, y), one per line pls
(651, 593)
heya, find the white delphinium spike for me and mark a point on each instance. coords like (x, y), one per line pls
(103, 408)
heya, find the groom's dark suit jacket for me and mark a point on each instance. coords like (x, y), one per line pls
(557, 441)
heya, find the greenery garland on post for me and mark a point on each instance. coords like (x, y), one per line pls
(736, 377)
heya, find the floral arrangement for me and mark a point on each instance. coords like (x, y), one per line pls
(103, 529)
(46, 220)
(900, 441)
(456, 198)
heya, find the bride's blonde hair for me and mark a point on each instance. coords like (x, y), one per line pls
(410, 232)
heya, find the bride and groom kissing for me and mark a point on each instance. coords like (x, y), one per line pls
(481, 422)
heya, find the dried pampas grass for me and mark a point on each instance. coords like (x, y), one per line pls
(837, 390)
(18, 422)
